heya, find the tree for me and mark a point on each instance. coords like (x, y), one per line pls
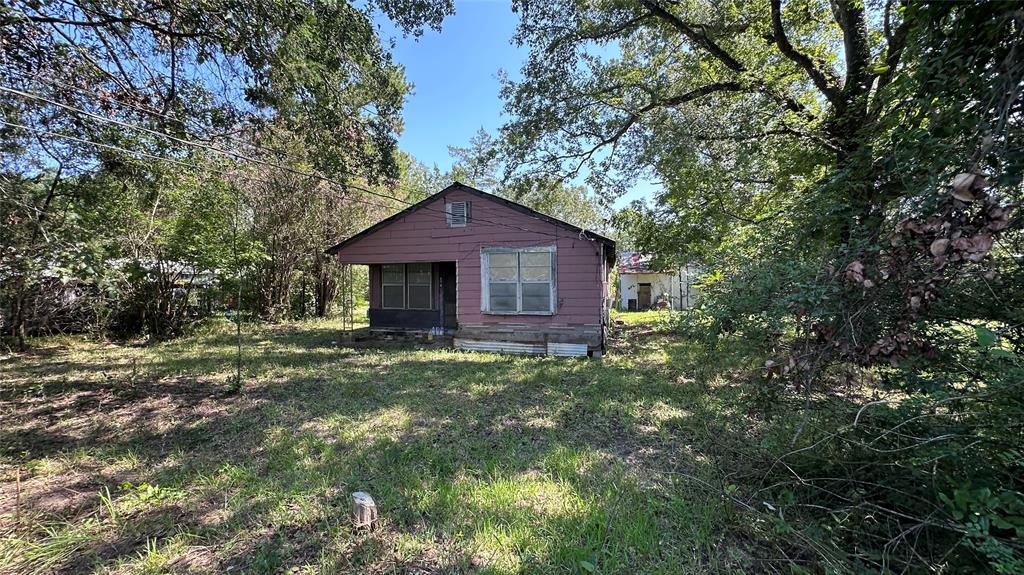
(480, 165)
(773, 127)
(849, 171)
(90, 89)
(169, 237)
(206, 71)
(417, 181)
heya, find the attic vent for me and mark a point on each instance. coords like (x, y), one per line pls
(458, 214)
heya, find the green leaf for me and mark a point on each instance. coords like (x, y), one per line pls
(986, 337)
(1003, 353)
(588, 567)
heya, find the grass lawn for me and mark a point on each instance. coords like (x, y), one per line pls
(119, 459)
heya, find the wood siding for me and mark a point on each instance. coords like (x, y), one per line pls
(424, 236)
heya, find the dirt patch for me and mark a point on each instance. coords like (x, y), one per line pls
(68, 493)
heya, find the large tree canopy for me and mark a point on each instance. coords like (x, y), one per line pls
(800, 131)
(208, 71)
(848, 171)
(735, 106)
(125, 121)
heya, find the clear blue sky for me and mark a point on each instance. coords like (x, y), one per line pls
(455, 73)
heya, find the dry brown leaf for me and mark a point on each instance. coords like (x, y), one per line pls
(939, 247)
(855, 272)
(964, 195)
(963, 182)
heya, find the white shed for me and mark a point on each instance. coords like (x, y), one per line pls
(641, 287)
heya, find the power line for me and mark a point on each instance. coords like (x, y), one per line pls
(247, 158)
(92, 143)
(140, 153)
(144, 109)
(182, 163)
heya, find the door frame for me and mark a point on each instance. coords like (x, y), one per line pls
(442, 274)
(650, 294)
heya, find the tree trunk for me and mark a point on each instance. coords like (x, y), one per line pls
(326, 285)
(18, 314)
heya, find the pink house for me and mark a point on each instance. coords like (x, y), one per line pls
(493, 273)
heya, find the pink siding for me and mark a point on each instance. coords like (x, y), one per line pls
(424, 236)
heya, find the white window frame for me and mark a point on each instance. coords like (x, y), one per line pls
(383, 284)
(485, 273)
(429, 284)
(449, 216)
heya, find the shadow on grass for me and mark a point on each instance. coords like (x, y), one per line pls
(479, 463)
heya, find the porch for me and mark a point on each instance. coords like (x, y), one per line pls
(418, 297)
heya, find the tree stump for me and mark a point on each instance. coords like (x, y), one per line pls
(364, 510)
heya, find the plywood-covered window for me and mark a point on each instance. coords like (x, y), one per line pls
(518, 280)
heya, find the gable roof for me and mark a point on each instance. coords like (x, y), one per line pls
(479, 193)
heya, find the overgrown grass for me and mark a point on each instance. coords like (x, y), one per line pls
(140, 459)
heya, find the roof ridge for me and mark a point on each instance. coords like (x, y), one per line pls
(584, 233)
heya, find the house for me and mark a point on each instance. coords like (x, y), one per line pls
(492, 273)
(643, 287)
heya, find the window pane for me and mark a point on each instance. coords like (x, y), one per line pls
(503, 267)
(503, 260)
(394, 296)
(503, 274)
(535, 266)
(537, 297)
(419, 274)
(542, 259)
(393, 274)
(503, 297)
(419, 296)
(536, 273)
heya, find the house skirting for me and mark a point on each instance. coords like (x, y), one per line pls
(533, 338)
(414, 319)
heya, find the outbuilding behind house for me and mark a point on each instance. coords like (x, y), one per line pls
(643, 287)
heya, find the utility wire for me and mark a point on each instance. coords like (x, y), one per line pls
(159, 158)
(230, 153)
(92, 143)
(146, 110)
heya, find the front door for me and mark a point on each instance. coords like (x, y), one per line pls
(643, 296)
(448, 294)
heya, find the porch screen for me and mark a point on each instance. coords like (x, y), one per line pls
(418, 276)
(392, 280)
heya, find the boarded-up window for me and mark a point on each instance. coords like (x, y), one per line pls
(392, 280)
(518, 280)
(418, 278)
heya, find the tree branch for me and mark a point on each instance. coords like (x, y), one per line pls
(825, 84)
(850, 17)
(896, 41)
(696, 35)
(634, 117)
(699, 38)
